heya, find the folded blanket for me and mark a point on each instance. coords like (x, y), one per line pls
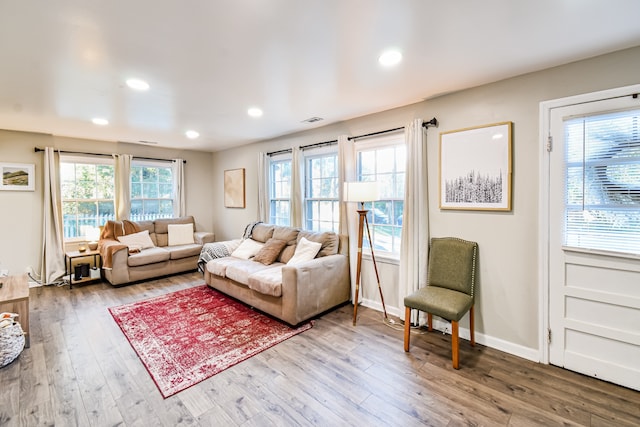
(108, 248)
(216, 250)
(109, 244)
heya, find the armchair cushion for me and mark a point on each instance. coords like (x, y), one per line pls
(442, 302)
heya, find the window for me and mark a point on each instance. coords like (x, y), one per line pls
(87, 193)
(280, 190)
(602, 199)
(151, 190)
(322, 210)
(384, 160)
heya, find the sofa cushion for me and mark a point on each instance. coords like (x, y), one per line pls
(262, 232)
(148, 225)
(270, 251)
(148, 256)
(180, 234)
(240, 271)
(306, 250)
(218, 266)
(287, 253)
(247, 249)
(330, 241)
(137, 241)
(183, 251)
(268, 281)
(161, 226)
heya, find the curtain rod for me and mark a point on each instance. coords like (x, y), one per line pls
(273, 153)
(432, 122)
(319, 144)
(38, 149)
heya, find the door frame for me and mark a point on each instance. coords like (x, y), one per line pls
(544, 183)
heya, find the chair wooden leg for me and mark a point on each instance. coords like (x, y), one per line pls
(472, 327)
(429, 322)
(407, 327)
(455, 356)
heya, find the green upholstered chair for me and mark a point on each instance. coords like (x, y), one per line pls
(449, 293)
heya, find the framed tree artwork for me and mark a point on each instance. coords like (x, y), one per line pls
(234, 196)
(475, 168)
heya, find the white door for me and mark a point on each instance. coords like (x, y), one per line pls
(594, 276)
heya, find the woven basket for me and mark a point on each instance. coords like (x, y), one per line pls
(11, 343)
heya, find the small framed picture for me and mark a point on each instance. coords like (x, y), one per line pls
(475, 168)
(234, 188)
(18, 176)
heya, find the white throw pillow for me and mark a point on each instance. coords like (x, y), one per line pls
(247, 249)
(140, 240)
(180, 234)
(306, 250)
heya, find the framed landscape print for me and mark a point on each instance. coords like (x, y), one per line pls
(17, 176)
(234, 188)
(475, 168)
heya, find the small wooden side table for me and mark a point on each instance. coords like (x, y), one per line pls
(14, 298)
(97, 262)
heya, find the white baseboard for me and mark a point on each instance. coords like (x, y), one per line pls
(532, 354)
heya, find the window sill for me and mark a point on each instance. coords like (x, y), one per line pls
(382, 258)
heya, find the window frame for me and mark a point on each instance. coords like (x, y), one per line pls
(375, 144)
(137, 163)
(76, 159)
(273, 160)
(309, 155)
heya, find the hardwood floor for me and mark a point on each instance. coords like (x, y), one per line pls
(81, 371)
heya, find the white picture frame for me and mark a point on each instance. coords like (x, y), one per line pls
(475, 168)
(17, 176)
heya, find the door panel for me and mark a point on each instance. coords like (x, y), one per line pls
(594, 296)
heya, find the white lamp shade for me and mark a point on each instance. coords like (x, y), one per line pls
(360, 191)
(92, 234)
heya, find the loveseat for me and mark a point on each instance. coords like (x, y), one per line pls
(133, 251)
(289, 273)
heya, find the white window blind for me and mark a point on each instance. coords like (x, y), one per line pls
(602, 187)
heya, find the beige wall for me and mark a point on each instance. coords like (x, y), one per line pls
(508, 296)
(21, 211)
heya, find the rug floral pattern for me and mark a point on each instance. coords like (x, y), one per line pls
(190, 335)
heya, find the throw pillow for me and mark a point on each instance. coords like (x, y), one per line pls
(140, 240)
(270, 251)
(247, 249)
(305, 251)
(180, 234)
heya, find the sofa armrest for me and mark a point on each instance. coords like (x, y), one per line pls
(202, 237)
(315, 286)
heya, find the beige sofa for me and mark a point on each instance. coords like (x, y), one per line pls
(124, 263)
(292, 293)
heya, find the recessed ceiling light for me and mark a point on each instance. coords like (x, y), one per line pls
(254, 112)
(137, 84)
(100, 121)
(192, 134)
(390, 58)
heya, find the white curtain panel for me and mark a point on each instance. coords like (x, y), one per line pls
(297, 186)
(53, 259)
(415, 223)
(122, 185)
(348, 211)
(263, 187)
(179, 201)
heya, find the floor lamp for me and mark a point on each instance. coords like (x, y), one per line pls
(361, 192)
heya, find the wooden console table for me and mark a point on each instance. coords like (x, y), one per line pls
(14, 298)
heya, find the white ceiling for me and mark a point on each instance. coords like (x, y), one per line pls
(207, 61)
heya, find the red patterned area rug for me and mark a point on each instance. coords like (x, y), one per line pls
(190, 335)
